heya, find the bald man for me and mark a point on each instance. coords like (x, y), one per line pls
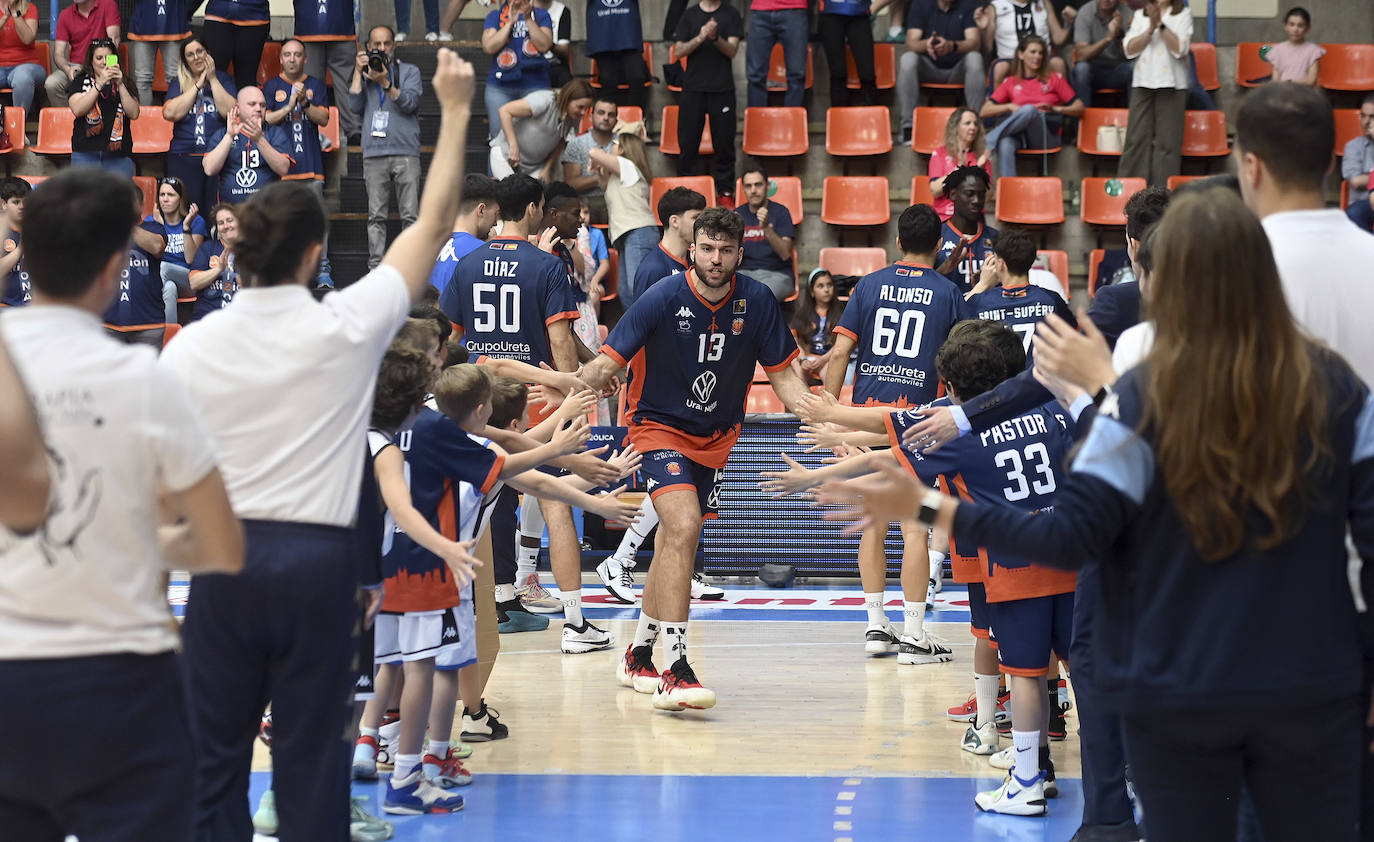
(246, 156)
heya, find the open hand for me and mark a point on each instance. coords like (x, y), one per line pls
(937, 427)
(570, 436)
(611, 507)
(796, 478)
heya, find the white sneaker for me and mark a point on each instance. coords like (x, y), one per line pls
(927, 649)
(618, 579)
(387, 735)
(1003, 759)
(980, 741)
(931, 590)
(585, 638)
(535, 598)
(445, 36)
(431, 37)
(1014, 797)
(701, 590)
(937, 564)
(400, 36)
(880, 640)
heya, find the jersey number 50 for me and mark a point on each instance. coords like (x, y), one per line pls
(1038, 457)
(897, 331)
(500, 309)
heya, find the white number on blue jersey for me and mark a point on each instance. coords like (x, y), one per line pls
(251, 159)
(716, 347)
(1027, 332)
(898, 332)
(1038, 457)
(501, 307)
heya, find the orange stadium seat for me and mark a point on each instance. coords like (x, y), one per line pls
(1177, 181)
(152, 134)
(611, 284)
(1347, 67)
(673, 59)
(1091, 121)
(595, 81)
(928, 128)
(884, 67)
(1205, 55)
(171, 330)
(54, 131)
(700, 183)
(14, 126)
(1204, 135)
(269, 66)
(851, 261)
(1030, 201)
(1251, 70)
(860, 131)
(625, 113)
(45, 59)
(920, 190)
(789, 194)
(667, 143)
(775, 132)
(777, 70)
(762, 399)
(1101, 208)
(148, 186)
(855, 200)
(331, 130)
(1057, 262)
(1347, 127)
(34, 180)
(1095, 258)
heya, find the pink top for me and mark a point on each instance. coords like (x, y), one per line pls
(776, 5)
(1292, 61)
(941, 164)
(1022, 91)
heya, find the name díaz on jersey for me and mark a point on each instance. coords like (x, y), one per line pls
(499, 268)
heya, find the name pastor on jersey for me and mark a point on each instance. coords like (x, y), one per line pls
(1015, 428)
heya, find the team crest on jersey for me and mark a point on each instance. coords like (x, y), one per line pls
(507, 59)
(904, 272)
(673, 468)
(740, 305)
(737, 326)
(281, 96)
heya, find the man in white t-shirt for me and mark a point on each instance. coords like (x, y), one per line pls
(24, 480)
(285, 385)
(87, 642)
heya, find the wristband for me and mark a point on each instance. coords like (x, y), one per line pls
(1102, 394)
(930, 507)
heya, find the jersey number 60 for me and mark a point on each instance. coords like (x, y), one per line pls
(897, 331)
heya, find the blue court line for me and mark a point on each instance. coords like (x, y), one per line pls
(700, 612)
(632, 808)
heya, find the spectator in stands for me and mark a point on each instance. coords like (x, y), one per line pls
(156, 26)
(965, 146)
(813, 323)
(235, 32)
(198, 101)
(138, 314)
(1036, 99)
(768, 236)
(297, 101)
(1158, 41)
(19, 67)
(678, 209)
(183, 231)
(708, 37)
(15, 290)
(1297, 59)
(1357, 163)
(387, 94)
(560, 54)
(1099, 33)
(331, 41)
(942, 46)
(615, 40)
(1005, 24)
(626, 178)
(433, 24)
(516, 36)
(77, 26)
(849, 22)
(536, 128)
(213, 275)
(776, 22)
(596, 261)
(104, 101)
(577, 163)
(248, 154)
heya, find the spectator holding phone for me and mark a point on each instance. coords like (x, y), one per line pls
(79, 26)
(104, 102)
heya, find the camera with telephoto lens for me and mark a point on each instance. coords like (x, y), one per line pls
(378, 61)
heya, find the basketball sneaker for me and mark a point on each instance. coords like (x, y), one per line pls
(585, 638)
(637, 670)
(483, 726)
(446, 772)
(617, 577)
(678, 688)
(1065, 703)
(980, 741)
(1057, 730)
(265, 819)
(968, 711)
(1003, 759)
(701, 590)
(1015, 797)
(414, 795)
(880, 640)
(265, 729)
(535, 598)
(365, 758)
(387, 735)
(365, 827)
(513, 617)
(927, 649)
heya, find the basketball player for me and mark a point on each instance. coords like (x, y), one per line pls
(285, 384)
(965, 241)
(1012, 300)
(896, 320)
(690, 342)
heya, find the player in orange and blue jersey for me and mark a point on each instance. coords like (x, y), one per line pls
(1015, 301)
(965, 241)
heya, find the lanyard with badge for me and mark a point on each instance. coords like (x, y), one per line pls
(381, 118)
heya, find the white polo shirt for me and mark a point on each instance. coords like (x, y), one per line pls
(285, 383)
(89, 581)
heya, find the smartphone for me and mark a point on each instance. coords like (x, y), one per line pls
(112, 60)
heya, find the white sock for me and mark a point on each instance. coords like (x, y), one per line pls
(937, 565)
(531, 533)
(572, 606)
(505, 593)
(914, 614)
(873, 603)
(368, 732)
(1027, 764)
(985, 693)
(405, 764)
(636, 533)
(675, 639)
(438, 748)
(646, 633)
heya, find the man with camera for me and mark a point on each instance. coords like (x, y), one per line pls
(387, 94)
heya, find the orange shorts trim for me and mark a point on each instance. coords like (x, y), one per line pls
(982, 634)
(1026, 673)
(713, 452)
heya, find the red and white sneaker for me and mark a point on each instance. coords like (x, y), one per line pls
(637, 670)
(446, 772)
(968, 711)
(365, 758)
(678, 689)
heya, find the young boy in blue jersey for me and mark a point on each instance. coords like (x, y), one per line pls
(137, 313)
(477, 214)
(690, 344)
(1030, 607)
(896, 320)
(965, 241)
(16, 291)
(1013, 301)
